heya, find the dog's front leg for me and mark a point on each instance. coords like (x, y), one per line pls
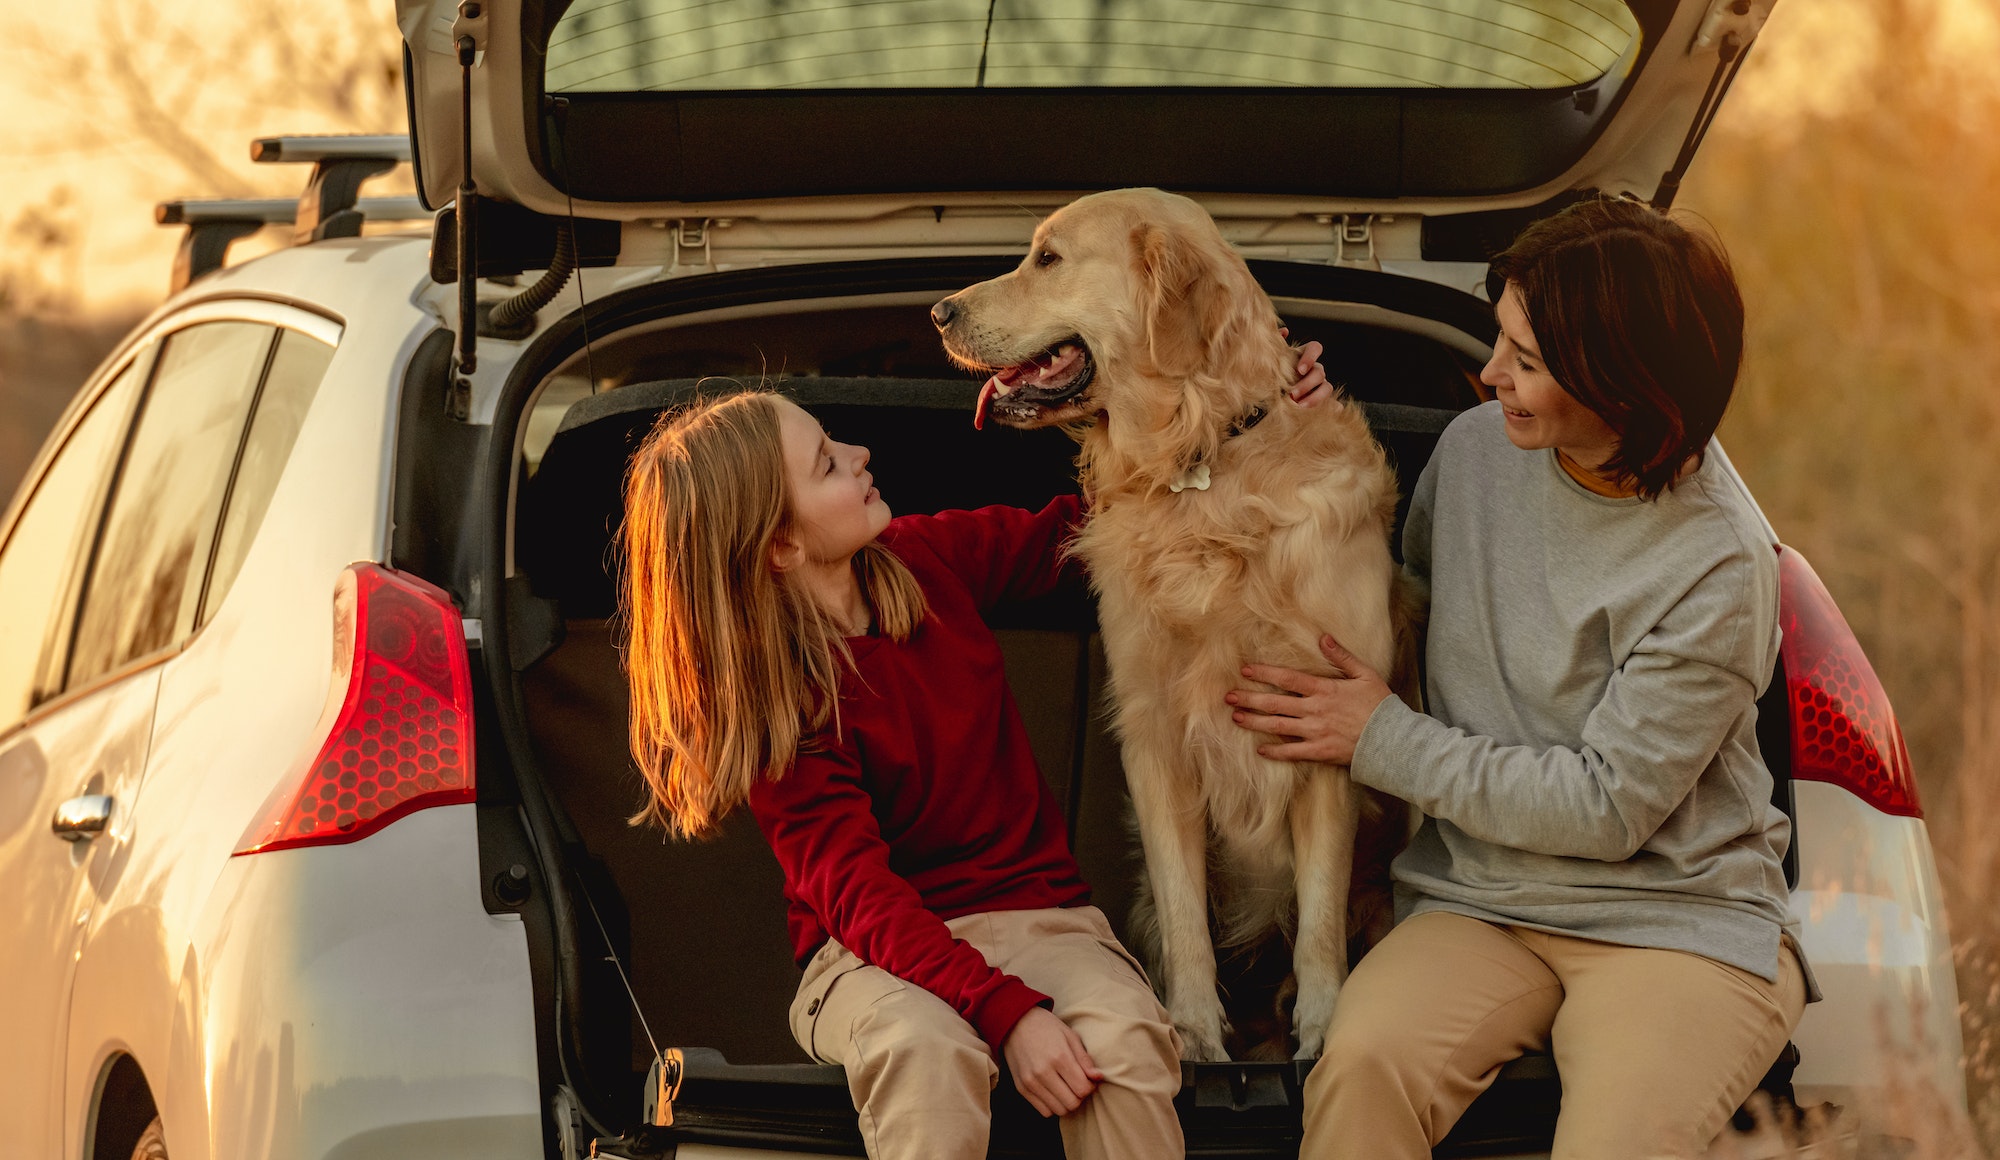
(1173, 830)
(1323, 821)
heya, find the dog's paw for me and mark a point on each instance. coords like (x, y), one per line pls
(1203, 1032)
(1201, 1046)
(1311, 1018)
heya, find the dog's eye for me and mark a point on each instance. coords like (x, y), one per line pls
(1045, 258)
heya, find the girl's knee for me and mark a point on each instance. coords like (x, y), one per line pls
(1138, 1050)
(922, 1037)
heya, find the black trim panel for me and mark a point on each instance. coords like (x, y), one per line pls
(644, 147)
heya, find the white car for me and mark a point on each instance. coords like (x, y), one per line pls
(313, 778)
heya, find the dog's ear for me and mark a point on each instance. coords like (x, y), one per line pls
(1186, 305)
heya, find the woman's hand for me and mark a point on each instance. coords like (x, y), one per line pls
(1312, 389)
(1050, 1066)
(1323, 716)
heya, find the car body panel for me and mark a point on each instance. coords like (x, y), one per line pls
(90, 744)
(376, 1010)
(242, 696)
(1871, 913)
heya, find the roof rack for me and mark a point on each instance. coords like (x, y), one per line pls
(340, 165)
(330, 207)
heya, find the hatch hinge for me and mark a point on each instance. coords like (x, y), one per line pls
(1353, 238)
(1737, 21)
(690, 235)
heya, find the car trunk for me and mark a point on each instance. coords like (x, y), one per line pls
(696, 931)
(699, 928)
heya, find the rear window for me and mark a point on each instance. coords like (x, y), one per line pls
(701, 45)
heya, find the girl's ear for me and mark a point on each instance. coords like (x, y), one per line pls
(786, 553)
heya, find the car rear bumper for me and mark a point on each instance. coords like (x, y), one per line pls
(1871, 916)
(374, 1008)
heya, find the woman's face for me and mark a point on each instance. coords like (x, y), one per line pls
(834, 502)
(1539, 412)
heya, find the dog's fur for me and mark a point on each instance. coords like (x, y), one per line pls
(1288, 540)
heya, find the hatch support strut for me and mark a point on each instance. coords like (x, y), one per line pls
(468, 225)
(1730, 27)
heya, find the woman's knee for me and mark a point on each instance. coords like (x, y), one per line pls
(1370, 1051)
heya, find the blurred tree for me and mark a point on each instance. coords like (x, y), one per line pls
(171, 97)
(191, 87)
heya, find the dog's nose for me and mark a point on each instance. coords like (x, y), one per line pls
(943, 313)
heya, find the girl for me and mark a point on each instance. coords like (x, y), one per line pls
(1600, 869)
(794, 648)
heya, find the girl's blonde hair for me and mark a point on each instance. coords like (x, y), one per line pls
(731, 662)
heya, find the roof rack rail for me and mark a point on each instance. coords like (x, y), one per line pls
(340, 165)
(212, 225)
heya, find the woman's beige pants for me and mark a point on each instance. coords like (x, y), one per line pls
(1656, 1048)
(921, 1077)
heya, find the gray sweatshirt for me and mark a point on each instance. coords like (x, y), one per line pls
(1589, 762)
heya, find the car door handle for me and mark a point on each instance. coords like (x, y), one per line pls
(82, 818)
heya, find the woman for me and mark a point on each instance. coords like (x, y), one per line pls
(1600, 869)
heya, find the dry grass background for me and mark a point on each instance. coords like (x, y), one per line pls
(1868, 418)
(1854, 176)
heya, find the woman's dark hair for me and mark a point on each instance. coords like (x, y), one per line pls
(1639, 319)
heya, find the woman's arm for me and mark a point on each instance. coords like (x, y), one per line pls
(1664, 715)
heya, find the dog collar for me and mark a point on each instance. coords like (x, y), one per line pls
(1196, 475)
(1246, 421)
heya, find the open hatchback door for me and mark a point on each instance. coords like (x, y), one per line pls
(638, 109)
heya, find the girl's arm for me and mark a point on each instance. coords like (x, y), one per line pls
(821, 825)
(1665, 714)
(1001, 554)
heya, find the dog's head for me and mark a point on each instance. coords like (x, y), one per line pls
(1131, 305)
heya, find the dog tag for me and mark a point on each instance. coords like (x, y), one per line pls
(1195, 477)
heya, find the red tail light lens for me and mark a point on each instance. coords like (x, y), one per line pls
(398, 722)
(1843, 730)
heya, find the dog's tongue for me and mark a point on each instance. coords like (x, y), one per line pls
(1036, 370)
(999, 383)
(986, 394)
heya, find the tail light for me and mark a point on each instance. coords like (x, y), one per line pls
(1843, 730)
(398, 721)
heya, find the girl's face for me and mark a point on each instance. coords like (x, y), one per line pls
(835, 506)
(1539, 412)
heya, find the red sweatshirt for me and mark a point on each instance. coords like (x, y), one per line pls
(927, 805)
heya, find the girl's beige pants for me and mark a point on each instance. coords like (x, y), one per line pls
(921, 1077)
(1656, 1048)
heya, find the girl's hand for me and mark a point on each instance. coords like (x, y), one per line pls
(1323, 716)
(1050, 1066)
(1312, 389)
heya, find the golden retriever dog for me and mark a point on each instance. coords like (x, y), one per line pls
(1226, 524)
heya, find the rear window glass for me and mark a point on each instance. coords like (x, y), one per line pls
(701, 45)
